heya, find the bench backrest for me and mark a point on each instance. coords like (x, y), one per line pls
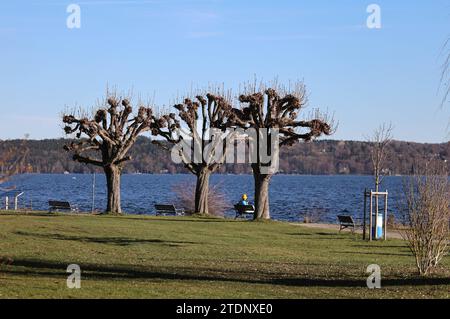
(244, 208)
(345, 219)
(165, 208)
(59, 204)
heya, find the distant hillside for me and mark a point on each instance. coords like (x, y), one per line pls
(320, 157)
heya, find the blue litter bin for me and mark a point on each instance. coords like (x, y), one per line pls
(377, 228)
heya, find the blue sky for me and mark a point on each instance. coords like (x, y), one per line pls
(161, 49)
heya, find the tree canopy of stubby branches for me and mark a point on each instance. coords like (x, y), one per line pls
(269, 118)
(194, 129)
(105, 138)
(275, 112)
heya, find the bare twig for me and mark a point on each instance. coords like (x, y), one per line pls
(427, 207)
(378, 152)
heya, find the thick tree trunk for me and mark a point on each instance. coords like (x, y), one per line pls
(202, 191)
(262, 182)
(113, 174)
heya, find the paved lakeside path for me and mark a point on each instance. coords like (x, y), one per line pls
(394, 234)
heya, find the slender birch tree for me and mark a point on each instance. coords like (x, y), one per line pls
(379, 142)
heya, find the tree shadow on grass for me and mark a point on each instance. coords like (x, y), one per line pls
(320, 236)
(381, 246)
(121, 241)
(33, 214)
(172, 219)
(104, 272)
(343, 235)
(299, 234)
(375, 253)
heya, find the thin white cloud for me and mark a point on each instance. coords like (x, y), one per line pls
(194, 16)
(287, 37)
(118, 2)
(104, 2)
(325, 33)
(354, 27)
(201, 35)
(199, 15)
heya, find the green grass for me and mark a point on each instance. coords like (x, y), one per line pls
(163, 257)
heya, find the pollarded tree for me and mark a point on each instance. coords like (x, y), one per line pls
(206, 119)
(273, 116)
(106, 139)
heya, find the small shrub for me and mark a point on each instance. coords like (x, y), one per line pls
(391, 221)
(427, 207)
(314, 215)
(185, 197)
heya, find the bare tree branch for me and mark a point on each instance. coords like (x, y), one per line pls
(445, 74)
(379, 141)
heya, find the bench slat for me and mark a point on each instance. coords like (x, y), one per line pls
(167, 209)
(59, 204)
(244, 209)
(346, 221)
(56, 205)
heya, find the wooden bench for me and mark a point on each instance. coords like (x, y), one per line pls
(242, 210)
(55, 205)
(168, 210)
(346, 221)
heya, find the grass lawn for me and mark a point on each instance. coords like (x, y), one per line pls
(164, 257)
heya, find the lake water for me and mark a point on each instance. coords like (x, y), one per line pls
(291, 196)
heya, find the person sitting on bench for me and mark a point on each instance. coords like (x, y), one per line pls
(243, 207)
(244, 201)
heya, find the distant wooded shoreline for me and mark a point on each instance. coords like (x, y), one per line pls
(324, 157)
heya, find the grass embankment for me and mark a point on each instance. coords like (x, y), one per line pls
(159, 257)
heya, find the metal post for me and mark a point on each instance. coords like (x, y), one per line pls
(365, 210)
(16, 200)
(6, 203)
(385, 214)
(376, 215)
(93, 193)
(370, 217)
